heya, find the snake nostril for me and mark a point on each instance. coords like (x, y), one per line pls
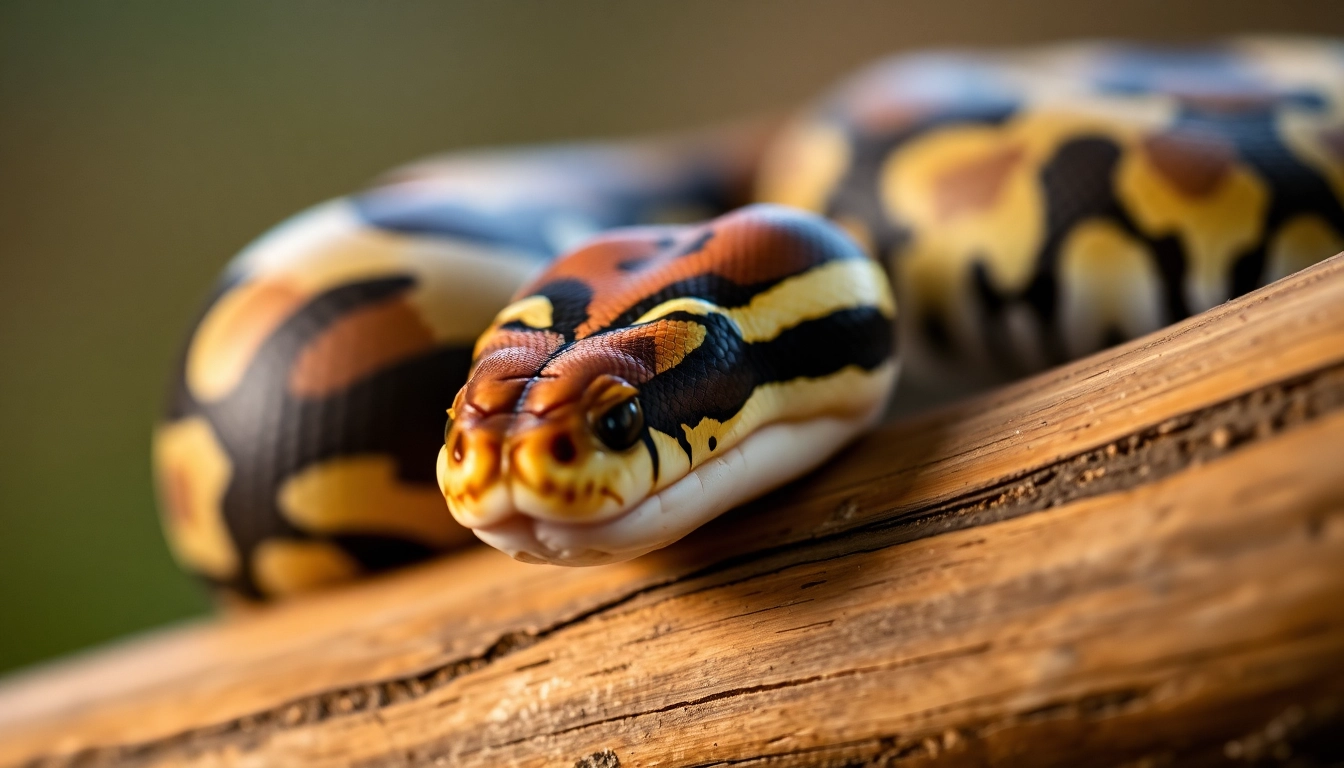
(457, 448)
(562, 448)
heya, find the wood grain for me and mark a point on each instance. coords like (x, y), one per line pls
(1138, 556)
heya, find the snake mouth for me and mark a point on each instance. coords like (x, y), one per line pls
(767, 459)
(572, 461)
(545, 473)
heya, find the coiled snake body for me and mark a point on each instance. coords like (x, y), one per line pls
(1028, 207)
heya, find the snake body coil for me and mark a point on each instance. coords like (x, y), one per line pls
(1029, 208)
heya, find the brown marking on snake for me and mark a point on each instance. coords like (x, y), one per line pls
(976, 185)
(729, 248)
(357, 345)
(634, 354)
(542, 342)
(881, 114)
(235, 328)
(499, 380)
(1333, 139)
(176, 486)
(630, 353)
(1195, 163)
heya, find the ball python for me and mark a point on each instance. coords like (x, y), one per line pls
(630, 337)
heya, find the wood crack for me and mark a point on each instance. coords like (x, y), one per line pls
(749, 690)
(1307, 732)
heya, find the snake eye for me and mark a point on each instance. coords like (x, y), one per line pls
(620, 426)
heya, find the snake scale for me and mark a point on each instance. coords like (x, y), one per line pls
(631, 337)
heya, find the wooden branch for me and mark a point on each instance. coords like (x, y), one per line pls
(1137, 557)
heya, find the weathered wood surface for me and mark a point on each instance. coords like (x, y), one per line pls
(1135, 558)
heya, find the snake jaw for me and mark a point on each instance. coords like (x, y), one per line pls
(765, 460)
(556, 470)
(530, 483)
(545, 463)
(471, 469)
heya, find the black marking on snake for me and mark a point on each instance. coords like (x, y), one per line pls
(680, 396)
(936, 333)
(396, 412)
(647, 440)
(1295, 188)
(377, 552)
(519, 325)
(723, 292)
(569, 304)
(715, 289)
(633, 265)
(1078, 182)
(858, 193)
(696, 245)
(524, 228)
(861, 336)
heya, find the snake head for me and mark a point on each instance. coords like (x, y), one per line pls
(571, 451)
(656, 377)
(554, 433)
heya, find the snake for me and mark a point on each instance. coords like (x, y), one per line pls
(581, 352)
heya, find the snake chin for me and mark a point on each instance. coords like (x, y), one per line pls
(767, 459)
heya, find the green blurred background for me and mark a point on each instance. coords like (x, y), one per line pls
(142, 143)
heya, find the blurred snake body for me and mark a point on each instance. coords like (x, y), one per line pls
(626, 339)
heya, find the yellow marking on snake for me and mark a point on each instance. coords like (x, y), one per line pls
(812, 295)
(1299, 243)
(973, 194)
(194, 474)
(782, 401)
(595, 490)
(677, 341)
(283, 567)
(363, 495)
(829, 288)
(673, 464)
(1309, 135)
(533, 311)
(459, 285)
(233, 330)
(804, 166)
(1108, 281)
(1215, 227)
(686, 304)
